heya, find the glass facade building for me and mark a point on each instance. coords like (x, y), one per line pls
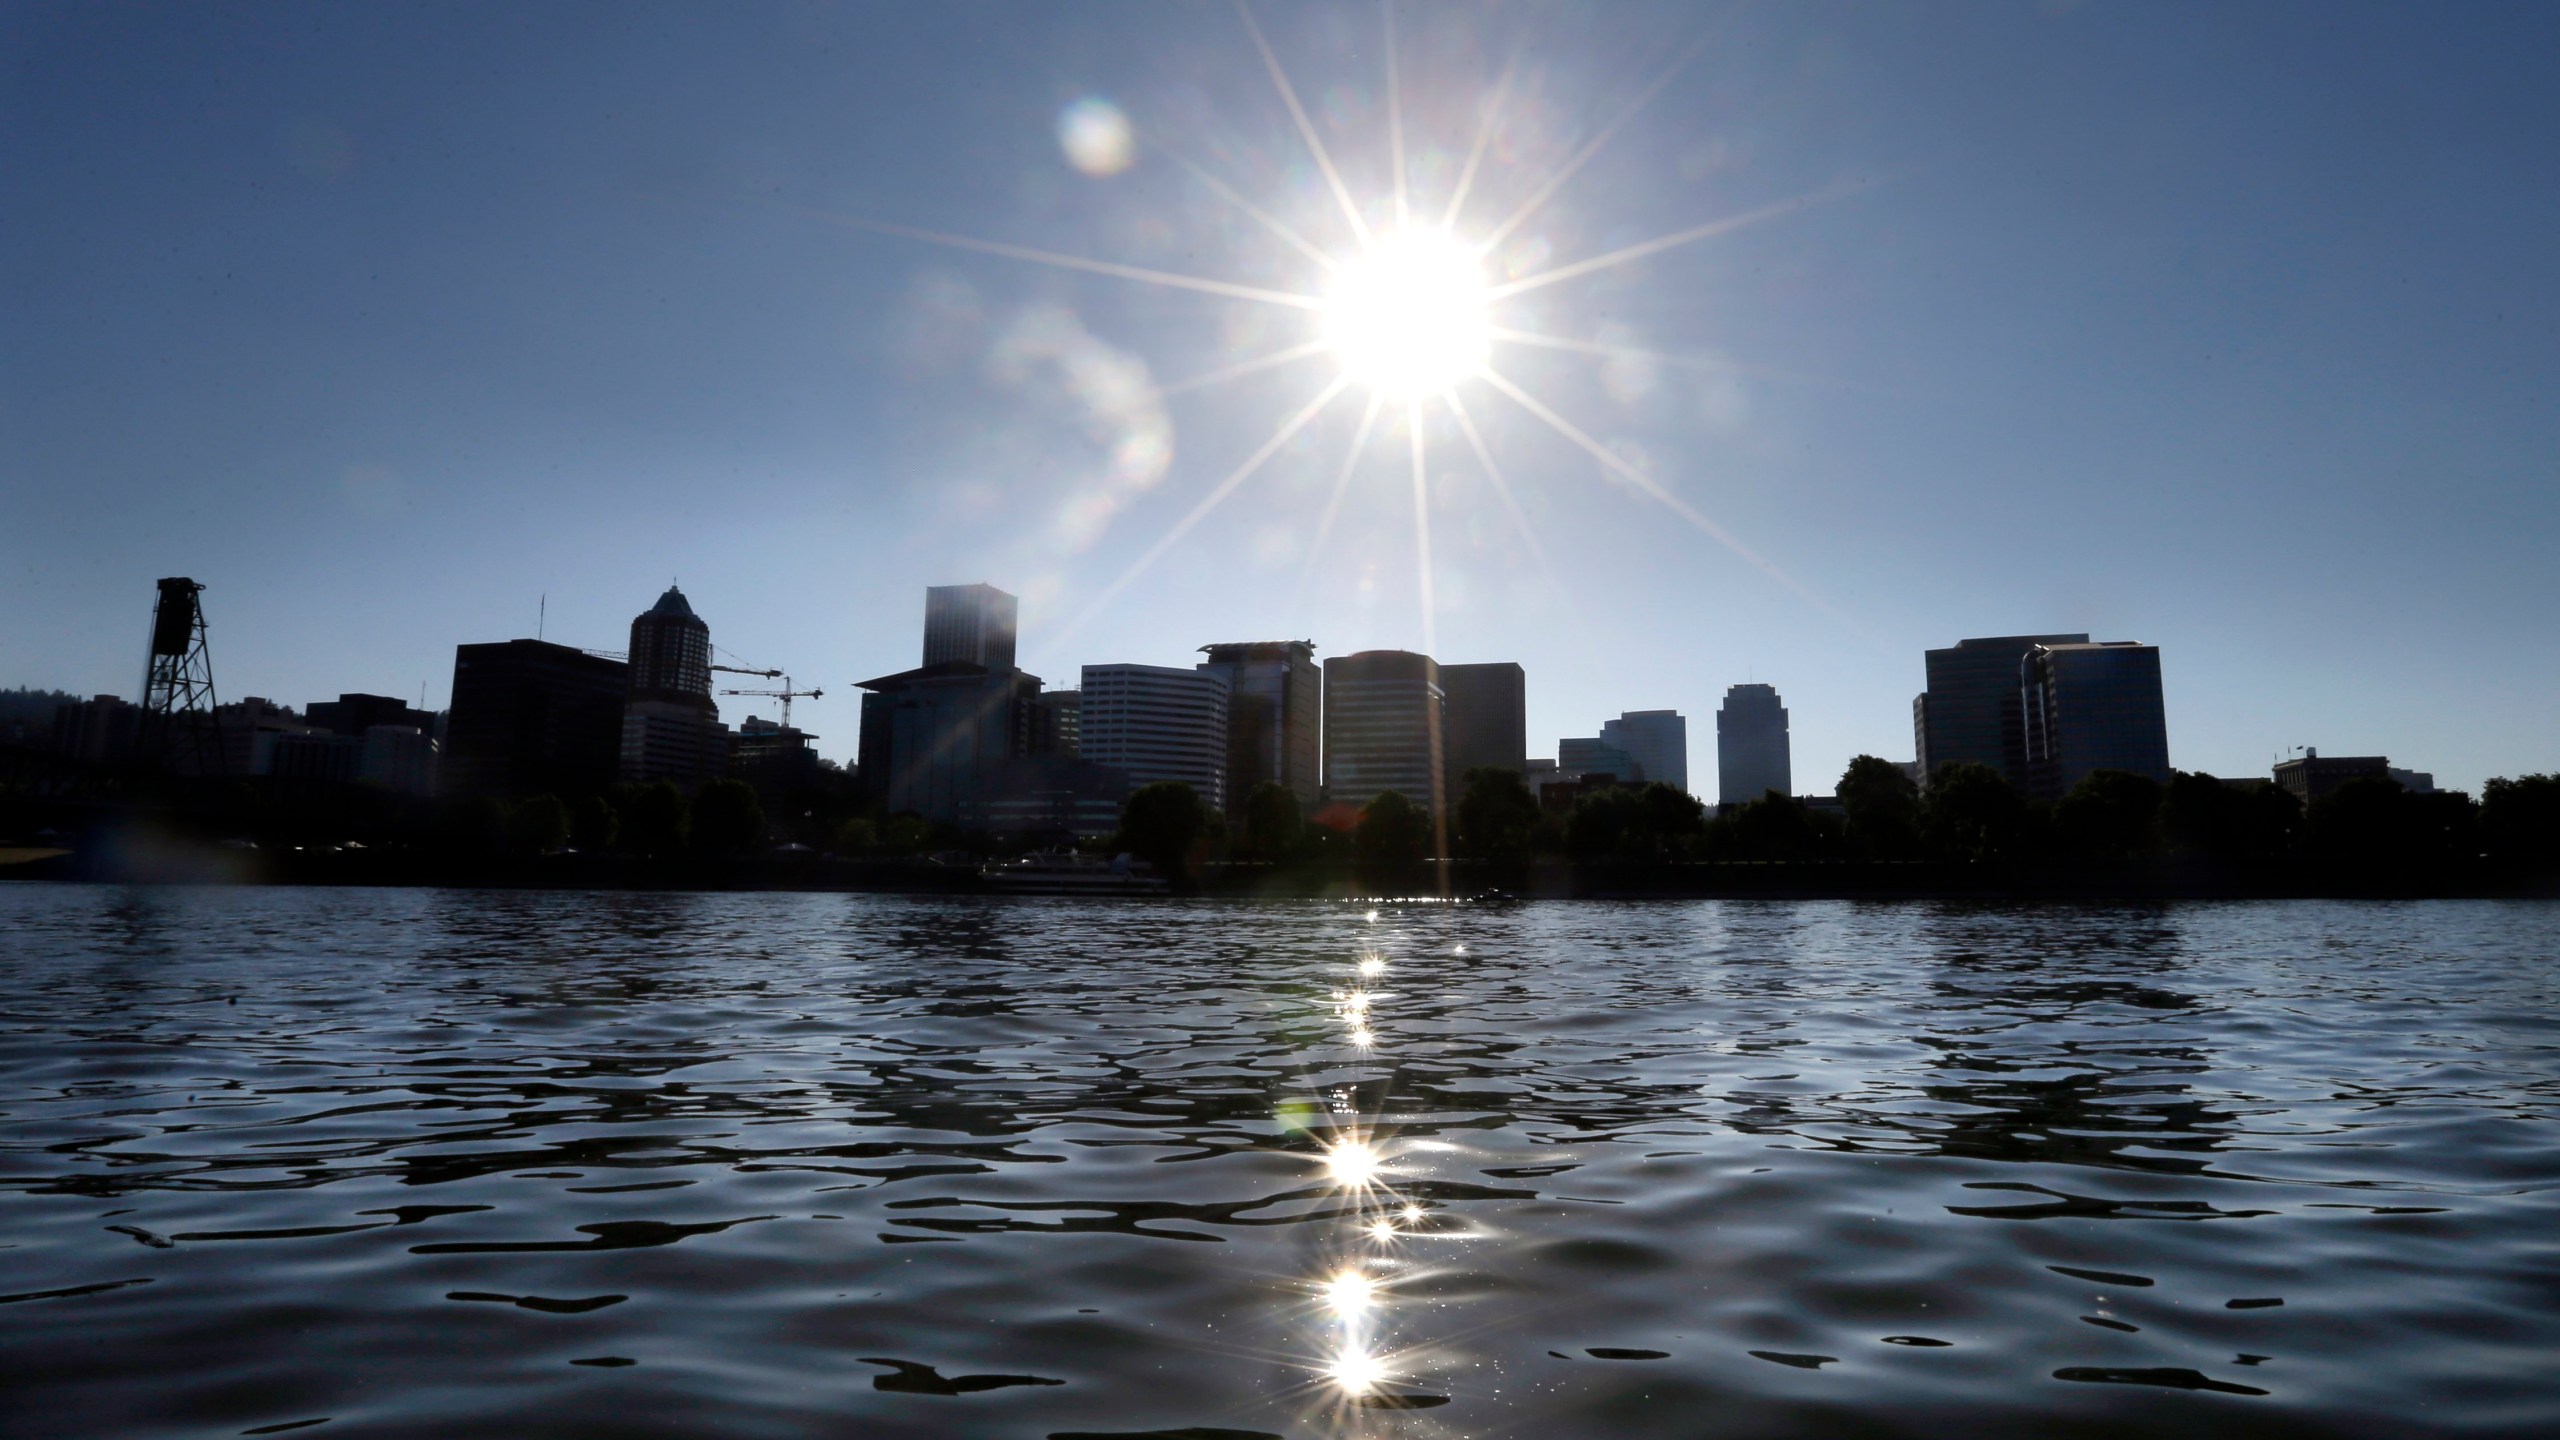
(2087, 708)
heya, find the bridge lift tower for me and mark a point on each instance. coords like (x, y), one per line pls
(179, 733)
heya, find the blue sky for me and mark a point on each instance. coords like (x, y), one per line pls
(2231, 328)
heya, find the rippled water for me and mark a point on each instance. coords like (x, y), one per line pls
(409, 1163)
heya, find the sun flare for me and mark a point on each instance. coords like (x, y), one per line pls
(1409, 318)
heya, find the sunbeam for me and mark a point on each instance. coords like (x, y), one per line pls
(1265, 218)
(1653, 488)
(1306, 127)
(1333, 504)
(1422, 529)
(1658, 244)
(1596, 144)
(1242, 368)
(1395, 113)
(1484, 139)
(1165, 278)
(1502, 488)
(1226, 487)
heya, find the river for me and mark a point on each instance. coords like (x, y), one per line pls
(433, 1163)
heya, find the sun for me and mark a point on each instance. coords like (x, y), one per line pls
(1409, 317)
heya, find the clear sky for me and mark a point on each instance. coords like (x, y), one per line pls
(2232, 328)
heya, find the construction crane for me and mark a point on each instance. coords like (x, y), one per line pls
(742, 670)
(786, 694)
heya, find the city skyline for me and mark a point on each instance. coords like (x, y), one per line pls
(2140, 331)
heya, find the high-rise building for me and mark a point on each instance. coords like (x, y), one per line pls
(530, 717)
(1157, 722)
(1971, 713)
(96, 731)
(1057, 723)
(1752, 755)
(971, 623)
(399, 758)
(1485, 720)
(776, 761)
(1659, 741)
(1275, 704)
(1383, 712)
(671, 727)
(1582, 757)
(2089, 708)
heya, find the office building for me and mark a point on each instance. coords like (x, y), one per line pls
(353, 715)
(530, 717)
(97, 731)
(776, 761)
(1156, 722)
(2311, 774)
(1658, 740)
(1971, 713)
(971, 624)
(398, 758)
(1584, 757)
(2088, 708)
(1275, 711)
(248, 730)
(1383, 712)
(1057, 722)
(1752, 754)
(671, 728)
(1484, 720)
(309, 757)
(1047, 800)
(933, 737)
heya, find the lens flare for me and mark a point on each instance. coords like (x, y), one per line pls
(1372, 965)
(1364, 1037)
(1407, 319)
(1096, 137)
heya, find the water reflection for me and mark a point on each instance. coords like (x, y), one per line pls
(1066, 1168)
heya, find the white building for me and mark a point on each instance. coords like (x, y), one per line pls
(1156, 722)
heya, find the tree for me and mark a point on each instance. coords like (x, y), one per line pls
(1391, 841)
(1160, 824)
(594, 824)
(1496, 817)
(857, 836)
(1779, 827)
(538, 826)
(1272, 827)
(1883, 808)
(728, 820)
(2218, 820)
(2520, 818)
(1973, 813)
(903, 834)
(2111, 817)
(1634, 822)
(656, 820)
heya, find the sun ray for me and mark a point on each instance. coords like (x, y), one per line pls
(1422, 528)
(1660, 243)
(1653, 488)
(1595, 145)
(1226, 487)
(1502, 488)
(1484, 139)
(1605, 351)
(1395, 112)
(1243, 368)
(1269, 222)
(1333, 505)
(1166, 278)
(1306, 127)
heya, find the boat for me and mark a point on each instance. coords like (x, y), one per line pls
(1058, 873)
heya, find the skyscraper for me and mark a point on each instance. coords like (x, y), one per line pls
(1971, 714)
(671, 727)
(1485, 720)
(1658, 740)
(974, 623)
(1751, 746)
(1275, 704)
(2089, 708)
(1383, 711)
(1156, 722)
(1584, 756)
(530, 717)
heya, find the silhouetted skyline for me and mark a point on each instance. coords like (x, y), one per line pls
(2230, 328)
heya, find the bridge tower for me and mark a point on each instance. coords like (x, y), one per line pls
(180, 734)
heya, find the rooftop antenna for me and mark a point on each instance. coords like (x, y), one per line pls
(541, 614)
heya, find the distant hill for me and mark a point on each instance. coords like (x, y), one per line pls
(27, 714)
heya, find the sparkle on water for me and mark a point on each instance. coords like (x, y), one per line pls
(1352, 1163)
